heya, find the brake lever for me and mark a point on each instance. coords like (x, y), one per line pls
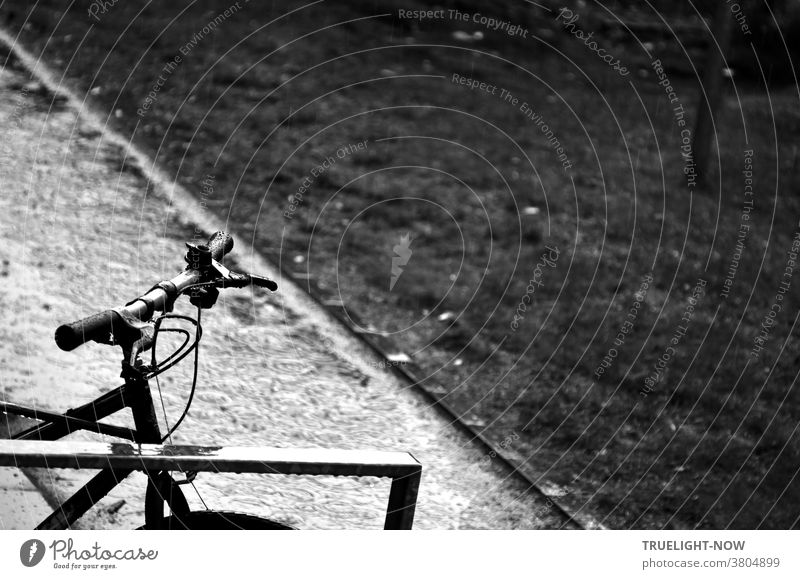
(259, 281)
(228, 278)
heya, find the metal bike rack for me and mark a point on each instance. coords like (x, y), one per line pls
(401, 467)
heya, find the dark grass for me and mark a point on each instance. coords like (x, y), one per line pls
(713, 446)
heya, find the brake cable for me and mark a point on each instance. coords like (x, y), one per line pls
(190, 475)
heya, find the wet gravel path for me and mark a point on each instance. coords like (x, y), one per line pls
(83, 229)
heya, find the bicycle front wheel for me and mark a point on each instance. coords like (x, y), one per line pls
(220, 521)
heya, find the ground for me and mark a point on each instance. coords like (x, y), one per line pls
(81, 235)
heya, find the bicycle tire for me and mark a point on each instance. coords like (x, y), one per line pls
(220, 521)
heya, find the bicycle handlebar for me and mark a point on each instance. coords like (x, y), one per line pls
(101, 326)
(96, 327)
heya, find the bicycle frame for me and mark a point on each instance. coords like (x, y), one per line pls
(134, 394)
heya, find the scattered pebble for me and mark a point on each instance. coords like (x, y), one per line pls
(462, 36)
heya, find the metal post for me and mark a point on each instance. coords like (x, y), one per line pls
(402, 501)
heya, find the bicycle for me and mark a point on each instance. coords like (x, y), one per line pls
(134, 329)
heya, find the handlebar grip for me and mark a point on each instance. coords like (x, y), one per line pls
(259, 281)
(96, 327)
(219, 244)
